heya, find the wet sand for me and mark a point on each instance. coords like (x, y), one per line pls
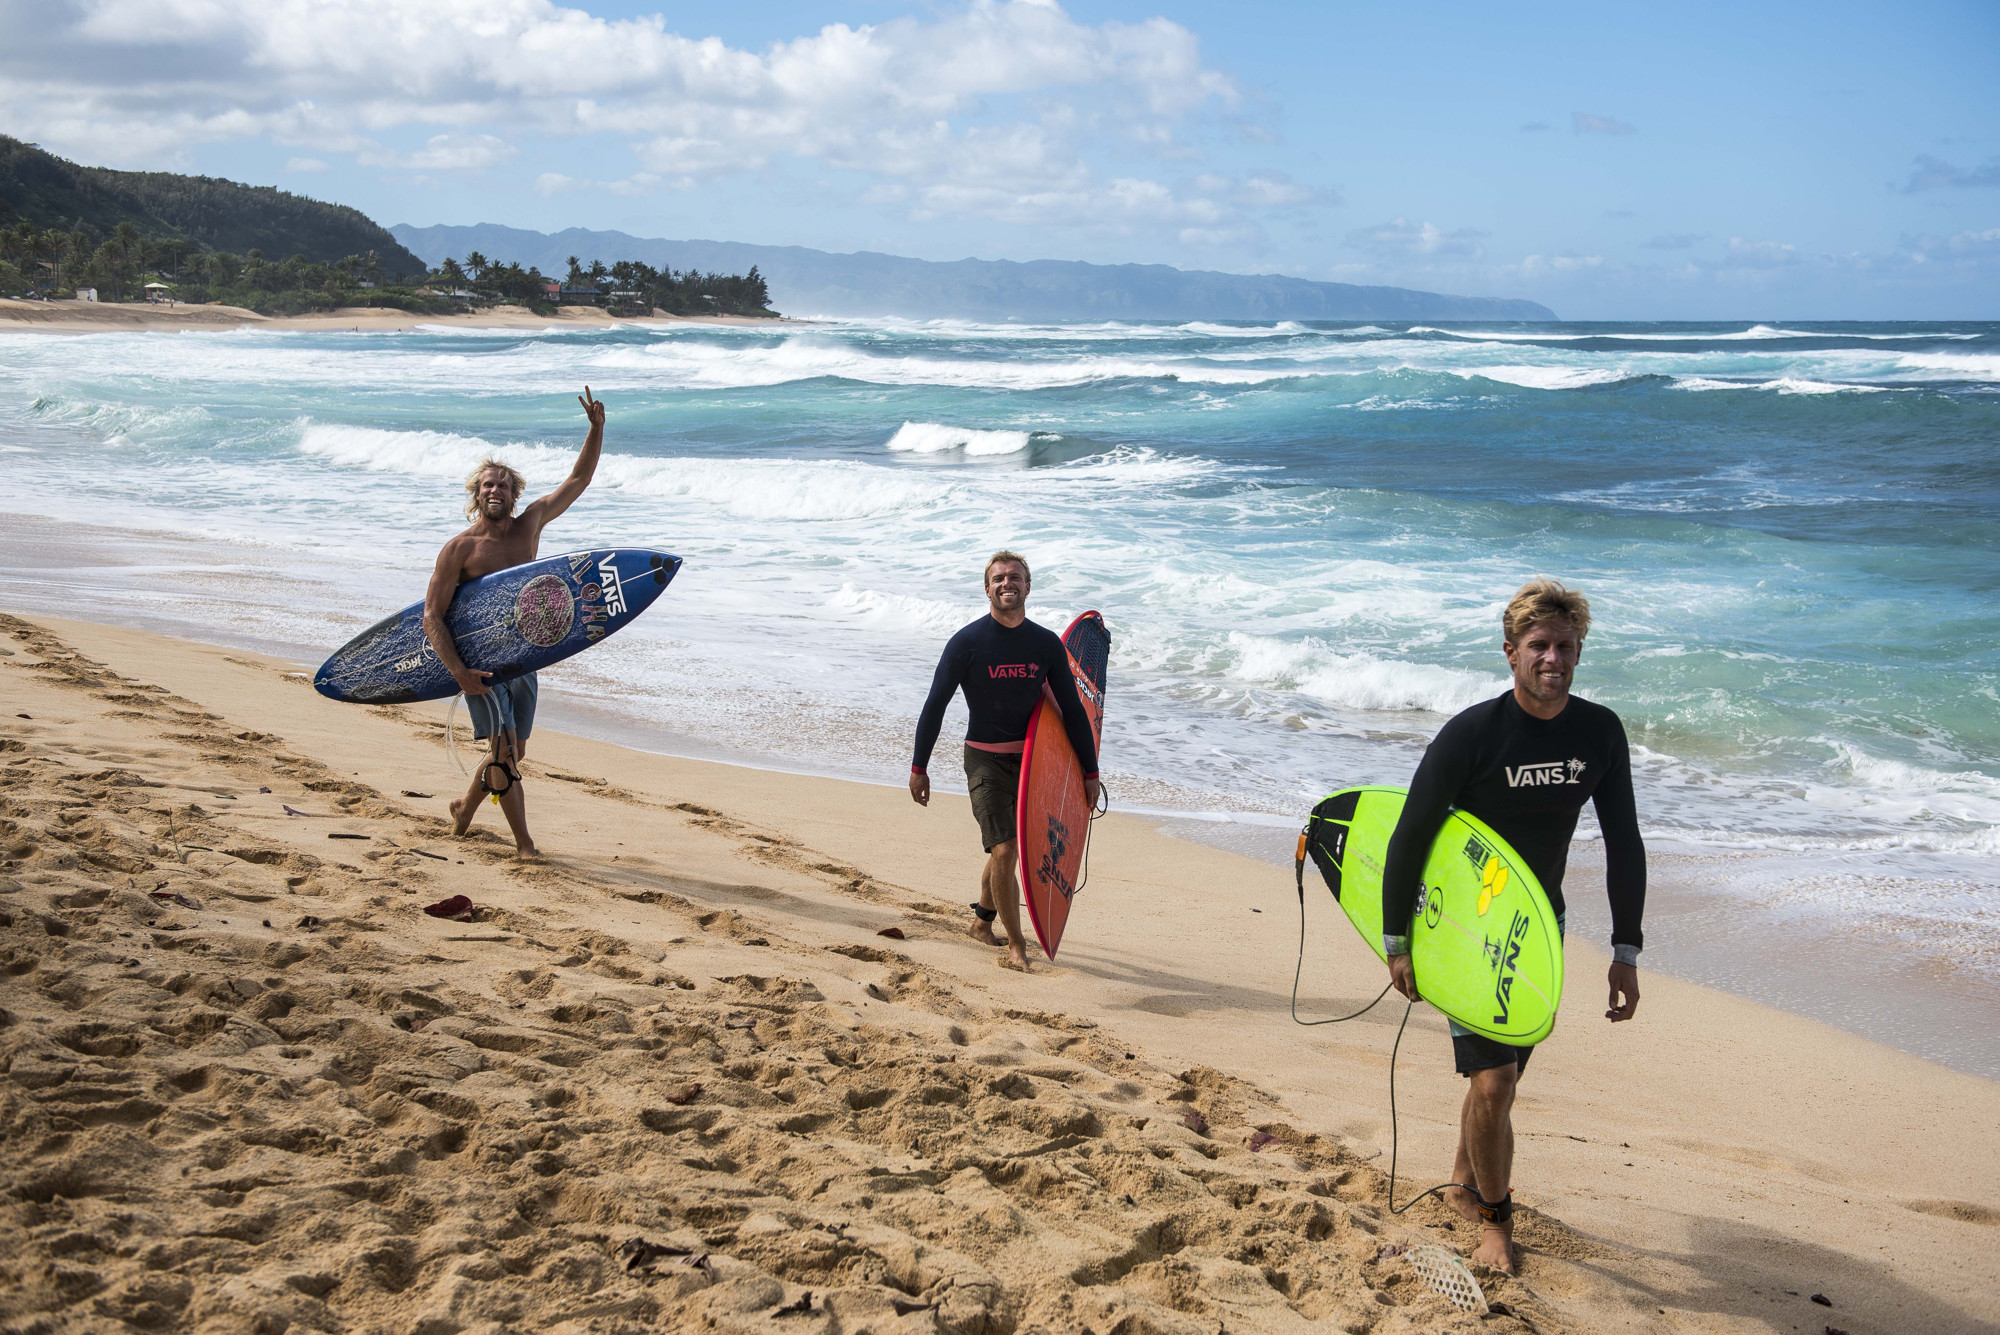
(250, 1085)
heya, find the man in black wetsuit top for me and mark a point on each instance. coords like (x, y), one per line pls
(1003, 662)
(1524, 763)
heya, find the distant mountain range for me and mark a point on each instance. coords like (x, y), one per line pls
(816, 282)
(46, 191)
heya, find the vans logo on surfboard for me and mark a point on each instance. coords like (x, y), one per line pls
(1548, 772)
(614, 589)
(1508, 957)
(1051, 871)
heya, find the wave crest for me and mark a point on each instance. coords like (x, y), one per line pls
(934, 438)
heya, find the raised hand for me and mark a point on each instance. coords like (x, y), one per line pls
(592, 409)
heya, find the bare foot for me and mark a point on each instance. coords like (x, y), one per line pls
(1496, 1249)
(461, 817)
(1463, 1201)
(1017, 954)
(527, 853)
(1014, 960)
(982, 932)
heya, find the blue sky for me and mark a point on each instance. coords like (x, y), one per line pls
(1615, 162)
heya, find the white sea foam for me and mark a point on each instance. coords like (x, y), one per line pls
(1283, 329)
(1355, 681)
(1959, 365)
(1782, 385)
(933, 438)
(1544, 377)
(422, 453)
(1755, 333)
(903, 613)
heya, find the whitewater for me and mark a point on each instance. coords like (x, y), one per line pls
(1301, 537)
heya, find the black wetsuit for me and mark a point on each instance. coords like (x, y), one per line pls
(1001, 670)
(1528, 778)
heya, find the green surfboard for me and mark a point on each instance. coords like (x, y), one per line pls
(1484, 943)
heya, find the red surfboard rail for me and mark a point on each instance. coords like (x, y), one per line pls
(1051, 814)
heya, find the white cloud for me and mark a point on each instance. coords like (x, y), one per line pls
(1007, 100)
(1760, 254)
(304, 165)
(446, 152)
(1929, 173)
(1404, 239)
(1584, 123)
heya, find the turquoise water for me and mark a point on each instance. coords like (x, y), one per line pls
(1300, 536)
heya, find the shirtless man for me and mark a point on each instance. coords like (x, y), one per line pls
(1002, 661)
(497, 539)
(1475, 764)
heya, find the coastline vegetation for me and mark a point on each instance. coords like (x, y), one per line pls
(127, 265)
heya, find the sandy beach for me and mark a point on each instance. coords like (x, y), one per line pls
(103, 317)
(249, 1085)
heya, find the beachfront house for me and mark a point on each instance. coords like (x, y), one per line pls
(586, 295)
(552, 291)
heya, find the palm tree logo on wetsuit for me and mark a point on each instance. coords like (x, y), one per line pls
(1050, 872)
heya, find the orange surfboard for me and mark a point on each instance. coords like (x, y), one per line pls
(1052, 818)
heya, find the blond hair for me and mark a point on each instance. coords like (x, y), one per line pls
(518, 482)
(1543, 599)
(1004, 557)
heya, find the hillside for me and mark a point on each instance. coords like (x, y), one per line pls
(47, 191)
(816, 282)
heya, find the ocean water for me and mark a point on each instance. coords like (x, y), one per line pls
(1301, 537)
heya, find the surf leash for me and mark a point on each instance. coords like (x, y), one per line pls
(1103, 806)
(1395, 1138)
(451, 738)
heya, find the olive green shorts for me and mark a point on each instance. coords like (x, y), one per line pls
(994, 779)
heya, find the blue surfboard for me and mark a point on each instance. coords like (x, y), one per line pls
(508, 623)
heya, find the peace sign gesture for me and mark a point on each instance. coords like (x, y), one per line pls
(592, 409)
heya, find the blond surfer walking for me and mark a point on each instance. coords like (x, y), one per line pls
(1525, 763)
(1004, 663)
(498, 539)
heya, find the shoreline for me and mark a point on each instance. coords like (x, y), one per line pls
(92, 317)
(1896, 988)
(1706, 1166)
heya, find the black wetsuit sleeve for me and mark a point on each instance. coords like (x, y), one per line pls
(1441, 774)
(1062, 684)
(1624, 850)
(950, 673)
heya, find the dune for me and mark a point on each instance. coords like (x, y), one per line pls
(726, 1061)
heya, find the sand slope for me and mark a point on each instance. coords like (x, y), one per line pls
(248, 1086)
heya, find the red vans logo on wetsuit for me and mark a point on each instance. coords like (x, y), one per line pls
(1004, 670)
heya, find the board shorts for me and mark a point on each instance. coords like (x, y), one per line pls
(1473, 1052)
(994, 779)
(511, 704)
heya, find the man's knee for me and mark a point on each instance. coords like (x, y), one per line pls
(1495, 1085)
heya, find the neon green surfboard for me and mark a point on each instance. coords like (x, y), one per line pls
(1483, 943)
